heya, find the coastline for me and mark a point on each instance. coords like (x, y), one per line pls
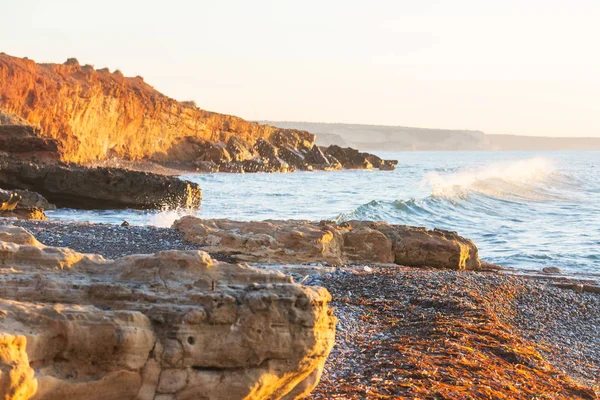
(390, 315)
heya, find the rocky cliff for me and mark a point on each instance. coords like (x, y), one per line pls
(95, 115)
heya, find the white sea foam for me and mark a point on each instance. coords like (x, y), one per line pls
(523, 179)
(165, 218)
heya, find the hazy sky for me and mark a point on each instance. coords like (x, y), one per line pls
(505, 66)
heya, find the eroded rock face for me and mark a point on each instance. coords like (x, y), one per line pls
(348, 242)
(175, 325)
(87, 115)
(82, 187)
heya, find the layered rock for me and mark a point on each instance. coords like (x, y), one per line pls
(175, 325)
(348, 242)
(94, 115)
(82, 187)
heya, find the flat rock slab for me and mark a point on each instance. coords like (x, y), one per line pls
(335, 243)
(88, 188)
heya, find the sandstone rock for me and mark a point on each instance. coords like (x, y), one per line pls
(26, 142)
(81, 187)
(349, 242)
(11, 206)
(28, 199)
(25, 213)
(175, 325)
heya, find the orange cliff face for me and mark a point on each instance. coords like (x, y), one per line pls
(95, 114)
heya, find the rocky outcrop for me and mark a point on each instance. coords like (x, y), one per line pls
(23, 204)
(93, 115)
(348, 242)
(27, 199)
(24, 141)
(174, 325)
(82, 187)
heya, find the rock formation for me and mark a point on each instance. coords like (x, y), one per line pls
(174, 325)
(23, 204)
(348, 242)
(82, 187)
(94, 115)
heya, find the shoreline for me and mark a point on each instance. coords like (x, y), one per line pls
(557, 324)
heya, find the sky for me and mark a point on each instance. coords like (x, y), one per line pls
(513, 67)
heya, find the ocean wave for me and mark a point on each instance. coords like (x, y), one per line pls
(535, 179)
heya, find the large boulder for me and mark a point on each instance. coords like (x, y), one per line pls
(174, 325)
(348, 242)
(83, 187)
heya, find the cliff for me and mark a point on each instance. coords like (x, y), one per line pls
(95, 114)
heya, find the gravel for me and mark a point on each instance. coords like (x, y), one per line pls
(110, 241)
(420, 333)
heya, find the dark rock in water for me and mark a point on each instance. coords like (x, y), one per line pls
(316, 156)
(351, 158)
(125, 223)
(293, 157)
(88, 188)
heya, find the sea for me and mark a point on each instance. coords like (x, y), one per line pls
(525, 210)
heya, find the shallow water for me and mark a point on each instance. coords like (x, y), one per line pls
(522, 209)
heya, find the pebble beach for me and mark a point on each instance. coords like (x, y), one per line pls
(418, 333)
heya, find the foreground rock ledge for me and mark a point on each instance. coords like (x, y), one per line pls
(336, 243)
(174, 325)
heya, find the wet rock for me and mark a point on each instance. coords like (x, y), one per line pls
(78, 326)
(350, 158)
(82, 187)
